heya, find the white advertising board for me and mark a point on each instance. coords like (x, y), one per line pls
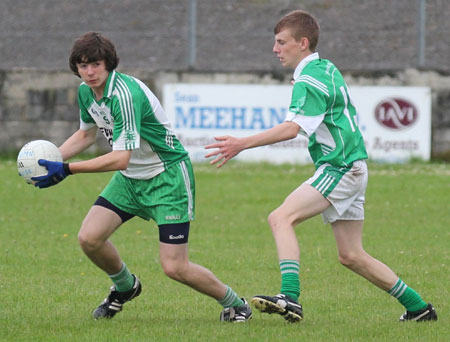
(395, 121)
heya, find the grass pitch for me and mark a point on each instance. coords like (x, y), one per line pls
(49, 288)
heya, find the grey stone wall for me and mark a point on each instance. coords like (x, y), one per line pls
(374, 42)
(37, 104)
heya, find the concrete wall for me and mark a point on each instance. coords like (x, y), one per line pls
(37, 104)
(374, 42)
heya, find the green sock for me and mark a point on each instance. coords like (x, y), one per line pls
(123, 280)
(409, 298)
(231, 299)
(290, 279)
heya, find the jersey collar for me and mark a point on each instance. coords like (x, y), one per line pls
(303, 62)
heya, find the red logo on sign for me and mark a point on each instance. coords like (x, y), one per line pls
(396, 113)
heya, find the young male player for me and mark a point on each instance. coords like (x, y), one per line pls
(322, 110)
(155, 178)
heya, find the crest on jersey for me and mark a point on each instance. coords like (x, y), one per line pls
(130, 137)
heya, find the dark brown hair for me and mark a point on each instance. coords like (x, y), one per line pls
(302, 24)
(93, 47)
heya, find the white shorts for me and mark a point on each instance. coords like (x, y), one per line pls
(345, 188)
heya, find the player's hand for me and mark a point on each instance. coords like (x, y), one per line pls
(57, 171)
(227, 148)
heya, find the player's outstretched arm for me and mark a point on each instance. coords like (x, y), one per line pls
(227, 147)
(112, 161)
(57, 171)
(78, 142)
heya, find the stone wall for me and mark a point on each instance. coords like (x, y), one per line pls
(374, 42)
(37, 104)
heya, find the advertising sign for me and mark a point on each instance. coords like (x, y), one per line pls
(395, 121)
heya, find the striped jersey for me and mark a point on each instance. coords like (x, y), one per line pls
(321, 105)
(131, 118)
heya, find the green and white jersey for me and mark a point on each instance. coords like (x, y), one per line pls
(131, 118)
(321, 105)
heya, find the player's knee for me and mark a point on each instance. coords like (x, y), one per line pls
(86, 242)
(277, 219)
(274, 219)
(350, 259)
(174, 270)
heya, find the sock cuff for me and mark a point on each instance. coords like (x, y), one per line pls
(289, 266)
(288, 261)
(398, 289)
(230, 299)
(123, 272)
(228, 294)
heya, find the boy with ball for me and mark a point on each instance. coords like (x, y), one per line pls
(153, 178)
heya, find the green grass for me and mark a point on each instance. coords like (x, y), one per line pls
(49, 288)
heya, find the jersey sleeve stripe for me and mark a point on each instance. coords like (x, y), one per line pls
(123, 102)
(126, 105)
(315, 83)
(126, 101)
(312, 79)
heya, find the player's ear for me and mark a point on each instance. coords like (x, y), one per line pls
(304, 43)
